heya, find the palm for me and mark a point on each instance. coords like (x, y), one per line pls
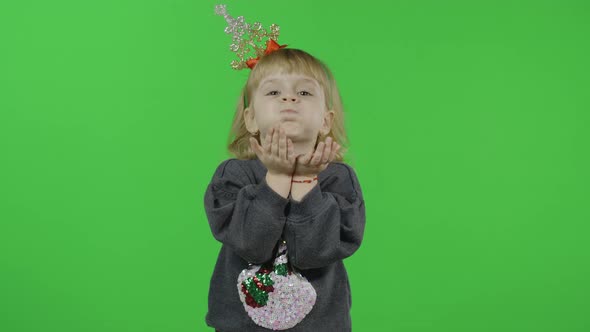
(312, 163)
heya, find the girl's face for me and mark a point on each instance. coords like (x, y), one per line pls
(296, 101)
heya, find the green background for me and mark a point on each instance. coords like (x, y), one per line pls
(468, 124)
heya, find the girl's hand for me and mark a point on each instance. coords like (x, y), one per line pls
(276, 152)
(311, 164)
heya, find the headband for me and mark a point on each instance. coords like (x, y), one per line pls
(246, 40)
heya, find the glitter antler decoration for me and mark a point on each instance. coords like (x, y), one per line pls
(246, 38)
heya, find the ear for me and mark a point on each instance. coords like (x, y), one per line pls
(327, 123)
(249, 120)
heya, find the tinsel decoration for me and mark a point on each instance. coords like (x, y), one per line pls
(247, 40)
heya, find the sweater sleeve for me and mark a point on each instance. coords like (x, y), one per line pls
(326, 225)
(247, 217)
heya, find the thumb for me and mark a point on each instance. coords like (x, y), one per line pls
(302, 158)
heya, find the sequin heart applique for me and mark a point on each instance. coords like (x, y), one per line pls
(275, 296)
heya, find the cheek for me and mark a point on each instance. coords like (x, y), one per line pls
(315, 121)
(319, 104)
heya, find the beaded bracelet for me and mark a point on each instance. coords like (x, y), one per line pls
(305, 181)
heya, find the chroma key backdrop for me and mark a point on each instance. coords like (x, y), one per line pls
(468, 128)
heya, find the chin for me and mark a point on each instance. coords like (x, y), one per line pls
(290, 127)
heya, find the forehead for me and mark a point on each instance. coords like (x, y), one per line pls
(278, 78)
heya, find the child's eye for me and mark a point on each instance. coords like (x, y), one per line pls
(303, 92)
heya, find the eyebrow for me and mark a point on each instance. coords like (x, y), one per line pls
(308, 80)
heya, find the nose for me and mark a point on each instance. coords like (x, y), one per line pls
(290, 98)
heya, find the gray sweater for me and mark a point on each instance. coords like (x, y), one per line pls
(249, 218)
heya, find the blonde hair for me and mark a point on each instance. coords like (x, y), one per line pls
(288, 61)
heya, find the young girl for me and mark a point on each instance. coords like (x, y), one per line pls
(287, 186)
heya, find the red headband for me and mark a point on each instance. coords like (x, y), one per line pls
(271, 46)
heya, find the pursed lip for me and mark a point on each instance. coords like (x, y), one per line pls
(289, 110)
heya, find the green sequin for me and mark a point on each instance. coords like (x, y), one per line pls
(265, 279)
(281, 269)
(260, 296)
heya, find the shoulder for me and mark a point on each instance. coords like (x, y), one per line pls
(340, 169)
(340, 177)
(228, 164)
(241, 170)
(228, 168)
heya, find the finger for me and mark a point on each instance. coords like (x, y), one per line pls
(253, 145)
(267, 140)
(327, 150)
(275, 142)
(252, 141)
(335, 148)
(257, 148)
(303, 158)
(317, 156)
(324, 153)
(290, 152)
(308, 157)
(282, 144)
